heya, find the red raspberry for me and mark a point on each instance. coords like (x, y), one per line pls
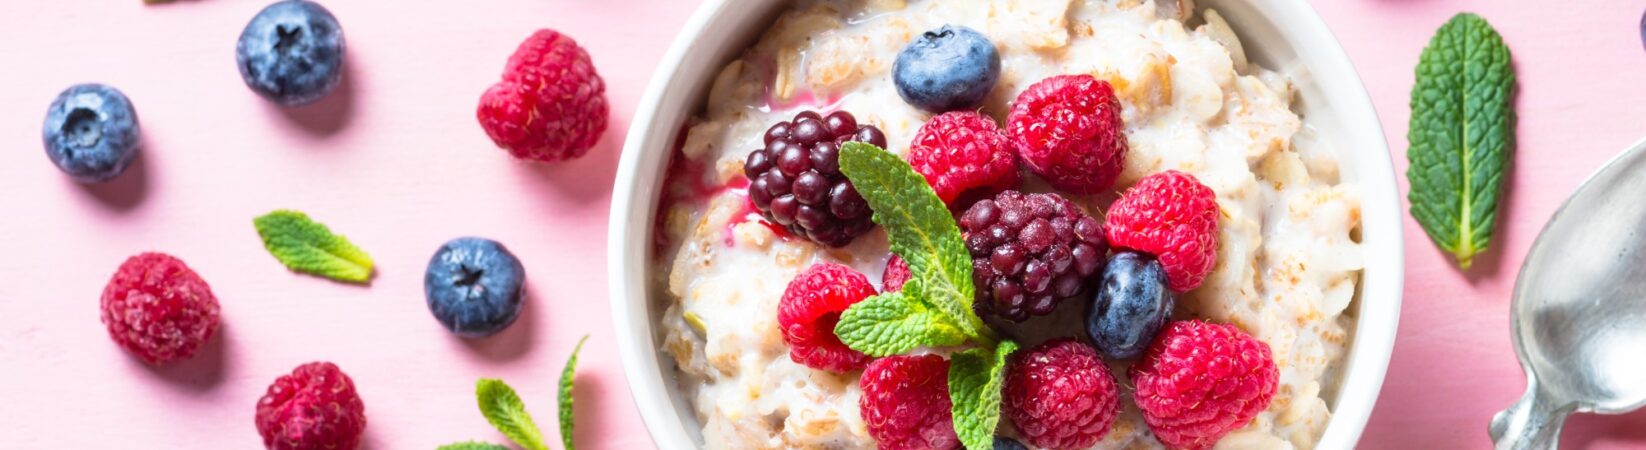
(1172, 216)
(897, 273)
(1199, 381)
(906, 405)
(551, 105)
(1068, 130)
(313, 408)
(810, 308)
(963, 152)
(158, 309)
(1060, 395)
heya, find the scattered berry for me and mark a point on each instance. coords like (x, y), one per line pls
(1003, 443)
(1068, 130)
(896, 273)
(1132, 304)
(313, 408)
(1172, 216)
(1199, 381)
(1030, 252)
(474, 286)
(905, 403)
(551, 105)
(950, 68)
(292, 52)
(91, 133)
(1060, 395)
(795, 181)
(963, 152)
(811, 307)
(158, 309)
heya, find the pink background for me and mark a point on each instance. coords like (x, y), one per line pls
(395, 161)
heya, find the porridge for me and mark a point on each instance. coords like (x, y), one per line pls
(1287, 260)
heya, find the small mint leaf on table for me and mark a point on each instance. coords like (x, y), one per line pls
(1461, 135)
(921, 231)
(306, 246)
(567, 377)
(976, 376)
(503, 408)
(472, 446)
(890, 324)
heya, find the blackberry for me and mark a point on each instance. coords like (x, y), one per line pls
(1031, 252)
(795, 181)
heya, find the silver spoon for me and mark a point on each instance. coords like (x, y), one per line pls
(1579, 309)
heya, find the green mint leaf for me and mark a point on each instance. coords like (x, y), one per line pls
(306, 246)
(471, 445)
(920, 230)
(891, 323)
(1461, 135)
(503, 408)
(567, 376)
(975, 379)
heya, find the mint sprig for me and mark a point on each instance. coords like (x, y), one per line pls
(306, 246)
(503, 408)
(934, 307)
(1461, 135)
(975, 379)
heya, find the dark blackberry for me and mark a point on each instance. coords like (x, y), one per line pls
(795, 181)
(1031, 252)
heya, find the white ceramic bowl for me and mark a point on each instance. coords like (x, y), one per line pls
(1282, 35)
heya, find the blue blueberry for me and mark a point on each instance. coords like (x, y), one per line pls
(91, 133)
(292, 52)
(474, 286)
(1003, 443)
(950, 68)
(1132, 305)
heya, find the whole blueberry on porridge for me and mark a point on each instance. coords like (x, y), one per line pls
(1136, 210)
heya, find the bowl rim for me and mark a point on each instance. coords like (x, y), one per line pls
(1366, 360)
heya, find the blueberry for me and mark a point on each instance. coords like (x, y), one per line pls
(947, 69)
(292, 52)
(1003, 443)
(1132, 304)
(91, 133)
(474, 286)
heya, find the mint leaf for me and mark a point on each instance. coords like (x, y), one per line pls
(1461, 135)
(503, 408)
(471, 445)
(920, 230)
(975, 379)
(306, 246)
(891, 323)
(567, 376)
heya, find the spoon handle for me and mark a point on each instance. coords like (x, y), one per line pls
(1532, 423)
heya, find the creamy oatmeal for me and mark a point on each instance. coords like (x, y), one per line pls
(1288, 260)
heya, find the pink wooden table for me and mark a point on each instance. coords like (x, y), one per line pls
(396, 162)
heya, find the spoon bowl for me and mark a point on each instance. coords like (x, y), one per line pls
(1579, 309)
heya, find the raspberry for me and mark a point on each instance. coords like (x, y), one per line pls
(1172, 216)
(961, 152)
(1068, 130)
(897, 273)
(795, 181)
(905, 403)
(158, 309)
(1199, 381)
(551, 105)
(810, 308)
(1030, 252)
(313, 408)
(1060, 395)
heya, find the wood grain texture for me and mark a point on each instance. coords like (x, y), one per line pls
(396, 162)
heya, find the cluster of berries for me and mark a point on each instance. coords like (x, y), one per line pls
(1195, 381)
